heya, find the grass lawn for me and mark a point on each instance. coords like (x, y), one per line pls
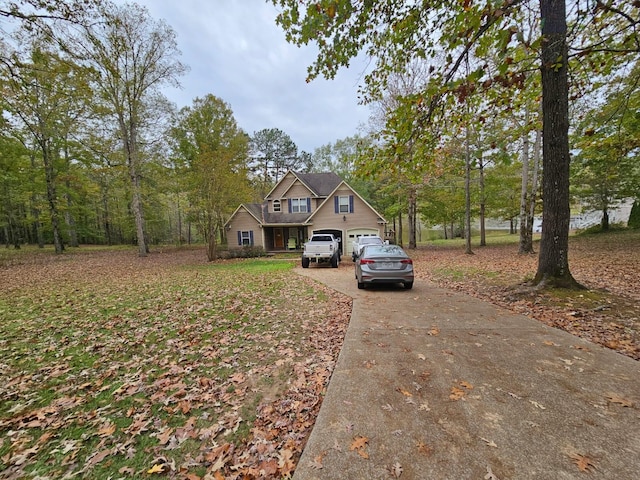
(116, 366)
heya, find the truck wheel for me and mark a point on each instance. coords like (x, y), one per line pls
(334, 261)
(305, 262)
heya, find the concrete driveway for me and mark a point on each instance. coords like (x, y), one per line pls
(433, 384)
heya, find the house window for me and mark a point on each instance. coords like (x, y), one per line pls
(299, 205)
(276, 205)
(245, 238)
(343, 204)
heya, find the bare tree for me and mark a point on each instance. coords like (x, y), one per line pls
(132, 56)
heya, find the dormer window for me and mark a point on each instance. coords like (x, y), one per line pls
(299, 205)
(277, 206)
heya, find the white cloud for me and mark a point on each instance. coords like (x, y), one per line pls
(237, 53)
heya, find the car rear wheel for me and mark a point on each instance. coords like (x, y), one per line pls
(360, 285)
(408, 285)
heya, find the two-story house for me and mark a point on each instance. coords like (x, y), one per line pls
(302, 204)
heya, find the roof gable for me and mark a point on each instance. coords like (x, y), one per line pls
(329, 199)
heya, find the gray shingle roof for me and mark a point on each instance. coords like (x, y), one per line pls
(322, 184)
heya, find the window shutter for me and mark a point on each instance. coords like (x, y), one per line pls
(239, 238)
(350, 203)
(308, 204)
(336, 204)
(251, 237)
(289, 203)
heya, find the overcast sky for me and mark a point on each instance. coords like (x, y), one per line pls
(236, 52)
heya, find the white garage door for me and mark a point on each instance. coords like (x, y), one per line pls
(358, 232)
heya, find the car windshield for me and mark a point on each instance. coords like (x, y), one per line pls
(373, 250)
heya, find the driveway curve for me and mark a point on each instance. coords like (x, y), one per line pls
(434, 384)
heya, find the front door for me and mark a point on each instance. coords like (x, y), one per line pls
(278, 238)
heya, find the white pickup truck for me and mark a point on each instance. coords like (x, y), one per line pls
(321, 247)
(363, 240)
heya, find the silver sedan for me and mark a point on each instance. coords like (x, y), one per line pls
(384, 264)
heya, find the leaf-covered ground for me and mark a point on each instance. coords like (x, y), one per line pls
(608, 313)
(115, 366)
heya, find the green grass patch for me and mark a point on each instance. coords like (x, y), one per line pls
(110, 361)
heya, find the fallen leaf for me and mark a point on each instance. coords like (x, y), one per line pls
(395, 470)
(456, 393)
(584, 463)
(466, 385)
(614, 398)
(489, 443)
(537, 405)
(490, 475)
(359, 444)
(406, 393)
(424, 449)
(317, 461)
(98, 457)
(157, 468)
(285, 462)
(107, 430)
(165, 435)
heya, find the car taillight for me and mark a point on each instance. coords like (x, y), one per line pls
(364, 261)
(407, 261)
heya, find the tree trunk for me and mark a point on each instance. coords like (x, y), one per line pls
(36, 225)
(412, 217)
(131, 152)
(68, 215)
(553, 261)
(483, 232)
(605, 220)
(533, 195)
(399, 236)
(467, 196)
(52, 199)
(526, 240)
(212, 247)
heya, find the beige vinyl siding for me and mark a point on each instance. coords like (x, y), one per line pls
(244, 221)
(283, 186)
(289, 188)
(362, 216)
